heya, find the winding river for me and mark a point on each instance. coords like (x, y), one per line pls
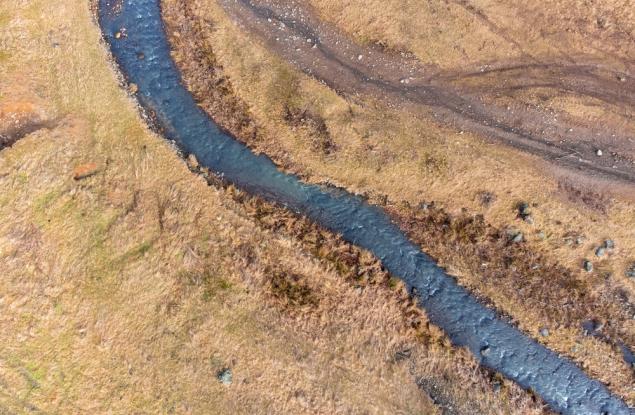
(135, 33)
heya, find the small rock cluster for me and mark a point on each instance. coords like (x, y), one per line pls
(524, 213)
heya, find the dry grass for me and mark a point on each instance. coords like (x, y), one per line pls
(128, 289)
(401, 159)
(457, 33)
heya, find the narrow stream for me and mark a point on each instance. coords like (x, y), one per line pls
(135, 33)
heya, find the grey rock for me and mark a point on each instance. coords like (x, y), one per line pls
(225, 376)
(587, 265)
(609, 244)
(630, 271)
(544, 332)
(485, 351)
(600, 251)
(518, 238)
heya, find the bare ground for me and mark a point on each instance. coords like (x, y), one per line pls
(291, 29)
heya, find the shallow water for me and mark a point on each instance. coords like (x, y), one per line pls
(142, 52)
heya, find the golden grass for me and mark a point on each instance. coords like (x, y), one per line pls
(129, 289)
(457, 33)
(397, 157)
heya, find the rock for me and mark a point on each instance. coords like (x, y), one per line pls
(523, 209)
(225, 376)
(630, 271)
(542, 236)
(609, 244)
(599, 152)
(192, 162)
(587, 265)
(529, 219)
(485, 351)
(544, 332)
(83, 171)
(600, 251)
(518, 238)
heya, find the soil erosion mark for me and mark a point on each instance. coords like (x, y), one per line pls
(292, 30)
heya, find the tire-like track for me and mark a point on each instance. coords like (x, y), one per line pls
(135, 32)
(291, 29)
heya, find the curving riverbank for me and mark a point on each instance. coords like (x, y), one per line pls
(135, 33)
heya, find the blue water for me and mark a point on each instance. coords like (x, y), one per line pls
(495, 343)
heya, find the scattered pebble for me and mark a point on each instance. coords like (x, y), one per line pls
(630, 271)
(542, 236)
(600, 251)
(588, 266)
(359, 58)
(609, 244)
(225, 376)
(599, 152)
(544, 332)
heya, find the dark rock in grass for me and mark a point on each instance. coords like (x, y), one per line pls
(600, 251)
(592, 327)
(587, 265)
(523, 211)
(225, 376)
(518, 238)
(609, 244)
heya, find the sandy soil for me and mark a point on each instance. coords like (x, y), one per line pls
(395, 155)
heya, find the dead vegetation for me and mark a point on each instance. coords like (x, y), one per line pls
(396, 159)
(526, 286)
(131, 288)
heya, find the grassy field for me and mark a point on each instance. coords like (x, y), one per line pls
(128, 283)
(400, 160)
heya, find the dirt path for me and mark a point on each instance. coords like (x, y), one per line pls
(463, 100)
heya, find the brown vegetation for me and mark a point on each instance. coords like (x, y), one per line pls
(398, 159)
(131, 289)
